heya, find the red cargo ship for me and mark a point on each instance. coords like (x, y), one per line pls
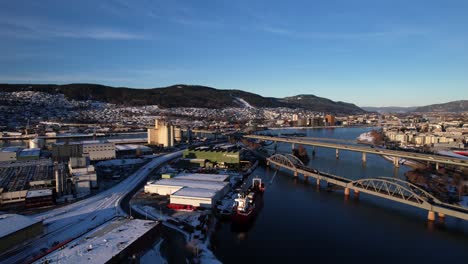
(249, 203)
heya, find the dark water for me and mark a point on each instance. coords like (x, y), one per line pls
(300, 223)
(25, 143)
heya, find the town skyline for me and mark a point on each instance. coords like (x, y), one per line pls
(366, 53)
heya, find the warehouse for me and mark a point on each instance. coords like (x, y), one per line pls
(169, 186)
(15, 229)
(29, 154)
(131, 151)
(196, 197)
(39, 198)
(203, 177)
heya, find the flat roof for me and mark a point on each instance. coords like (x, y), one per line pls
(11, 149)
(10, 223)
(103, 243)
(39, 193)
(132, 147)
(212, 185)
(202, 176)
(34, 152)
(195, 192)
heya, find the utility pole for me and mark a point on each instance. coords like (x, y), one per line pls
(130, 204)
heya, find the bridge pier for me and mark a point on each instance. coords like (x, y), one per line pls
(296, 174)
(346, 192)
(292, 146)
(396, 162)
(431, 216)
(364, 158)
(337, 154)
(356, 194)
(318, 183)
(441, 217)
(437, 165)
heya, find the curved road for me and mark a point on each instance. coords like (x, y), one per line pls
(74, 220)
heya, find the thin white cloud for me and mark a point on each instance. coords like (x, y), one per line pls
(339, 35)
(63, 78)
(34, 28)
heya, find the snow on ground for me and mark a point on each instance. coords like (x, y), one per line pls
(205, 255)
(153, 255)
(150, 212)
(366, 137)
(73, 220)
(243, 102)
(103, 243)
(464, 201)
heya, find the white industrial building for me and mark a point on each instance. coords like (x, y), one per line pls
(169, 186)
(195, 197)
(202, 177)
(199, 190)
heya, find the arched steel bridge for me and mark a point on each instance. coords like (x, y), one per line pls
(388, 188)
(437, 159)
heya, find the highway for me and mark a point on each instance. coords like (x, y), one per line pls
(394, 153)
(71, 221)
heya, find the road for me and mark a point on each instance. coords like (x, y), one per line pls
(76, 219)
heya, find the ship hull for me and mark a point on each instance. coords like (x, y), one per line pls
(242, 218)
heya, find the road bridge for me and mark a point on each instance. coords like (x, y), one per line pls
(388, 188)
(436, 159)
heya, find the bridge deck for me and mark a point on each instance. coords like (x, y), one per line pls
(386, 152)
(395, 192)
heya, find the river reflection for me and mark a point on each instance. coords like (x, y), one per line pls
(302, 223)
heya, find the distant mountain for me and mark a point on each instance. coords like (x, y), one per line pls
(455, 106)
(184, 96)
(389, 109)
(320, 104)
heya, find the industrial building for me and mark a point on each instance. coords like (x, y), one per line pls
(39, 198)
(131, 151)
(115, 169)
(162, 134)
(29, 154)
(119, 241)
(330, 120)
(63, 151)
(95, 150)
(197, 190)
(83, 175)
(15, 229)
(16, 178)
(9, 154)
(197, 197)
(203, 177)
(18, 153)
(228, 157)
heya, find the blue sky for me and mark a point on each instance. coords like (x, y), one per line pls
(371, 52)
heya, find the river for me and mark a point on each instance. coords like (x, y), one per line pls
(300, 223)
